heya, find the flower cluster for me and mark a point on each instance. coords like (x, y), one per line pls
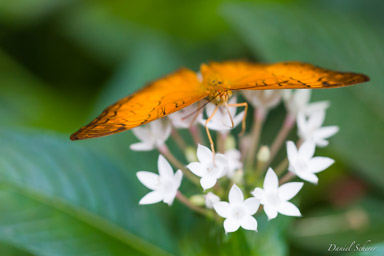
(238, 167)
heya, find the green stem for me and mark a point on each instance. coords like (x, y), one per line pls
(184, 200)
(171, 158)
(255, 137)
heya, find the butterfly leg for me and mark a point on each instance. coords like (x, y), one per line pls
(229, 114)
(245, 105)
(208, 133)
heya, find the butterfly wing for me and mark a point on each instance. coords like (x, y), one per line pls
(160, 98)
(283, 75)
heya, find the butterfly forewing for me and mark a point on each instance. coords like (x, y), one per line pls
(160, 98)
(283, 75)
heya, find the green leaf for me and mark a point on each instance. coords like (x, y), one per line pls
(334, 39)
(61, 197)
(209, 238)
(360, 222)
(28, 102)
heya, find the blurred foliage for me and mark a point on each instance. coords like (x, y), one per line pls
(61, 62)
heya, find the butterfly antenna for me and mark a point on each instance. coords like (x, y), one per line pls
(200, 107)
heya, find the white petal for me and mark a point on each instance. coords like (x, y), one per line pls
(148, 179)
(302, 123)
(142, 133)
(320, 142)
(151, 198)
(222, 209)
(271, 182)
(316, 119)
(258, 193)
(196, 168)
(289, 190)
(177, 178)
(320, 163)
(207, 182)
(270, 211)
(170, 197)
(249, 223)
(289, 209)
(235, 195)
(316, 106)
(252, 204)
(326, 132)
(211, 199)
(141, 146)
(165, 169)
(308, 176)
(221, 160)
(204, 154)
(231, 225)
(307, 149)
(291, 151)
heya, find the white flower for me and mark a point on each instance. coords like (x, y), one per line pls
(164, 186)
(211, 199)
(275, 198)
(303, 164)
(207, 169)
(310, 129)
(221, 121)
(264, 99)
(152, 135)
(238, 212)
(184, 118)
(234, 163)
(298, 101)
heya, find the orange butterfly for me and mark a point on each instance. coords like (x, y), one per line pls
(215, 83)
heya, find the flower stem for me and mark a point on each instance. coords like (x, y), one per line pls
(178, 139)
(283, 165)
(221, 142)
(287, 177)
(195, 132)
(171, 158)
(184, 200)
(255, 137)
(281, 136)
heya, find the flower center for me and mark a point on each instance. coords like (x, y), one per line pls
(301, 165)
(238, 212)
(166, 186)
(273, 199)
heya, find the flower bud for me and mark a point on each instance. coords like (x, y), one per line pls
(238, 176)
(190, 154)
(264, 154)
(197, 200)
(229, 143)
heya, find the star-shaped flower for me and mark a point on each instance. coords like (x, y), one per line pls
(238, 212)
(221, 121)
(275, 198)
(310, 129)
(264, 99)
(164, 186)
(152, 135)
(298, 101)
(208, 170)
(303, 164)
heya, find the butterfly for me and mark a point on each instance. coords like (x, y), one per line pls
(215, 82)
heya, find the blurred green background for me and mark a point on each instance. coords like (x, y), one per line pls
(63, 61)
